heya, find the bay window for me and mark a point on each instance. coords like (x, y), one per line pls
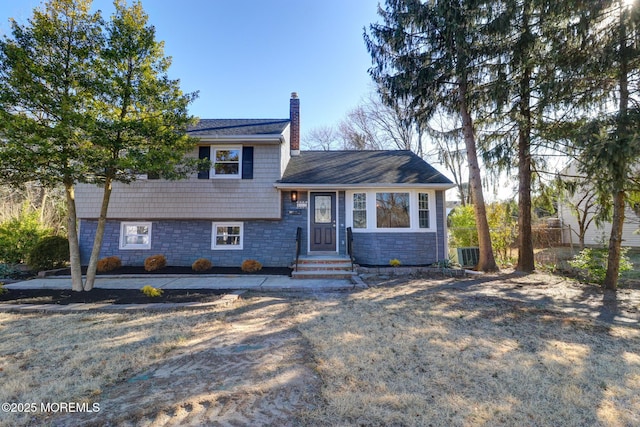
(391, 210)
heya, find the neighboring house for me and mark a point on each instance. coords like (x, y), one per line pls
(260, 189)
(581, 207)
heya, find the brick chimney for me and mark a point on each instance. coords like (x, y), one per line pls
(294, 116)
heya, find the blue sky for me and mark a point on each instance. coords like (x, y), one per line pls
(246, 57)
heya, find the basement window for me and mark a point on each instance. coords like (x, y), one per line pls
(135, 235)
(227, 235)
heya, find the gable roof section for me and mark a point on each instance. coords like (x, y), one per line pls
(360, 168)
(216, 128)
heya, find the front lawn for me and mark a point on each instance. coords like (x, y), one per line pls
(493, 350)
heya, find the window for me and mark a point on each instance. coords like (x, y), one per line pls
(392, 210)
(360, 210)
(227, 235)
(423, 210)
(135, 235)
(226, 162)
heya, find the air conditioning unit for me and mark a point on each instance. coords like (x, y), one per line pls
(468, 257)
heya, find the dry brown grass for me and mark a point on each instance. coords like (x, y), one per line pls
(413, 354)
(72, 357)
(405, 356)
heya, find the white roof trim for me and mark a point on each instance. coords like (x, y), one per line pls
(285, 186)
(265, 139)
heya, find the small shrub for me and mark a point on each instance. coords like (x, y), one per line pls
(201, 264)
(152, 292)
(109, 263)
(19, 235)
(2, 288)
(8, 271)
(446, 263)
(49, 253)
(395, 262)
(251, 266)
(593, 263)
(155, 262)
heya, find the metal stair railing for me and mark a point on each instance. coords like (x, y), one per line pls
(350, 246)
(298, 245)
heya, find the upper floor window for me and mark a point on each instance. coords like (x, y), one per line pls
(226, 162)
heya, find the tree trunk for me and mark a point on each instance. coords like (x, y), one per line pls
(525, 238)
(615, 242)
(619, 196)
(72, 231)
(97, 240)
(487, 261)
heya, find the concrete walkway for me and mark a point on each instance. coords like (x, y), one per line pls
(227, 282)
(235, 284)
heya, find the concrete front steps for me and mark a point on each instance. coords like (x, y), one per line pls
(323, 267)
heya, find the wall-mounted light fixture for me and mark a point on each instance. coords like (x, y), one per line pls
(294, 196)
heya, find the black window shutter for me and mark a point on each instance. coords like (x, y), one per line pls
(247, 162)
(204, 152)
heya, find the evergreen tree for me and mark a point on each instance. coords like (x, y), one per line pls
(46, 86)
(428, 53)
(87, 102)
(140, 115)
(609, 150)
(526, 95)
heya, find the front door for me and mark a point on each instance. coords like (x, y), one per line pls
(323, 222)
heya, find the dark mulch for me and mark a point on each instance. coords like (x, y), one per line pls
(107, 296)
(279, 271)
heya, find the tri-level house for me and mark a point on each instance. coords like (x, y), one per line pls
(265, 199)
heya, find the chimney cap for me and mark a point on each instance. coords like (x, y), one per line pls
(294, 95)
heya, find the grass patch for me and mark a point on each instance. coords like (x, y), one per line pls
(73, 357)
(403, 356)
(493, 351)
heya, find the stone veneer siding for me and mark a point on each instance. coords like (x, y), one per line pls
(410, 248)
(270, 242)
(183, 241)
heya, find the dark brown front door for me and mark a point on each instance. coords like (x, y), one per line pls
(323, 222)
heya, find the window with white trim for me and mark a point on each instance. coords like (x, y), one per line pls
(135, 235)
(392, 210)
(423, 210)
(227, 235)
(360, 210)
(226, 162)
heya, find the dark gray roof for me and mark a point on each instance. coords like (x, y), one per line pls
(360, 167)
(238, 127)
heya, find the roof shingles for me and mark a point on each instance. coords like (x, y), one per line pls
(238, 127)
(360, 167)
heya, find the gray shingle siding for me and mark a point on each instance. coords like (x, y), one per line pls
(193, 198)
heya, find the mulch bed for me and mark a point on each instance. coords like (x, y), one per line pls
(107, 296)
(129, 296)
(279, 271)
